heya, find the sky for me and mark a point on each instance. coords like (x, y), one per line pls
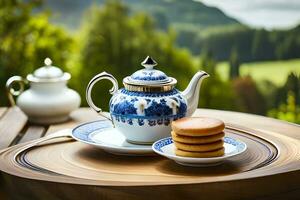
(269, 14)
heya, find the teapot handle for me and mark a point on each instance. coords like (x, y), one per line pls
(11, 92)
(91, 84)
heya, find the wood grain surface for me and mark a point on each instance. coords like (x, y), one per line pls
(79, 116)
(269, 169)
(11, 124)
(79, 160)
(33, 132)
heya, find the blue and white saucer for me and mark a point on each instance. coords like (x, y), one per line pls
(166, 148)
(101, 134)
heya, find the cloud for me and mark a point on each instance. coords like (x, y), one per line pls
(261, 13)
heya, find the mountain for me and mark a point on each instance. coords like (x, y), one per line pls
(180, 14)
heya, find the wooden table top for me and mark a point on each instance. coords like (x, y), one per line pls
(15, 129)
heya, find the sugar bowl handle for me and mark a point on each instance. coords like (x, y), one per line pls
(91, 84)
(11, 92)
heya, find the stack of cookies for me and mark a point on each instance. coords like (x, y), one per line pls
(198, 137)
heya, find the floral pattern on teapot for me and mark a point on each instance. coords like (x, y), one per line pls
(149, 76)
(158, 108)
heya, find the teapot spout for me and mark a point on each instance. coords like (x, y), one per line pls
(191, 93)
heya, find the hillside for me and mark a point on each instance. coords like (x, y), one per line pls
(177, 13)
(273, 71)
(200, 28)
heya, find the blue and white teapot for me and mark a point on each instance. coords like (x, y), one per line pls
(144, 109)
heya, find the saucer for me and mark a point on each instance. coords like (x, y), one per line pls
(103, 135)
(166, 148)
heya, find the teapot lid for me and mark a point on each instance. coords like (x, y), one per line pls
(148, 77)
(48, 73)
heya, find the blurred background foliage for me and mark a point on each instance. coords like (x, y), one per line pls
(116, 36)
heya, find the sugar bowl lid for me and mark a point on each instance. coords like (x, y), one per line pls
(48, 73)
(149, 79)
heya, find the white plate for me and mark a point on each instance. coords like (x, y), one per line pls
(101, 134)
(166, 148)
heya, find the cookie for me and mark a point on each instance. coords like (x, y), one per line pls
(207, 154)
(199, 147)
(197, 140)
(197, 126)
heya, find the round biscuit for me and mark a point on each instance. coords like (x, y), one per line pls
(199, 147)
(207, 154)
(197, 140)
(197, 126)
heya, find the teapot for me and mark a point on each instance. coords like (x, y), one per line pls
(144, 109)
(48, 100)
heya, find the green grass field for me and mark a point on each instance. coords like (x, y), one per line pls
(274, 71)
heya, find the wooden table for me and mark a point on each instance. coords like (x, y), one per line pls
(15, 129)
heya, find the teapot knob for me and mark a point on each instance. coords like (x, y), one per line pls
(149, 63)
(48, 62)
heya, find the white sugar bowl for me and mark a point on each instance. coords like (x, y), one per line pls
(48, 100)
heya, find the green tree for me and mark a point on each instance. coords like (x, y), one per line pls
(268, 89)
(288, 111)
(112, 40)
(234, 63)
(26, 39)
(292, 84)
(249, 96)
(215, 93)
(262, 46)
(287, 43)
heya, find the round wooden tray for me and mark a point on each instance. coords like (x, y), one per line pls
(75, 159)
(271, 159)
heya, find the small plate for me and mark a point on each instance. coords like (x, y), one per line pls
(101, 134)
(166, 147)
